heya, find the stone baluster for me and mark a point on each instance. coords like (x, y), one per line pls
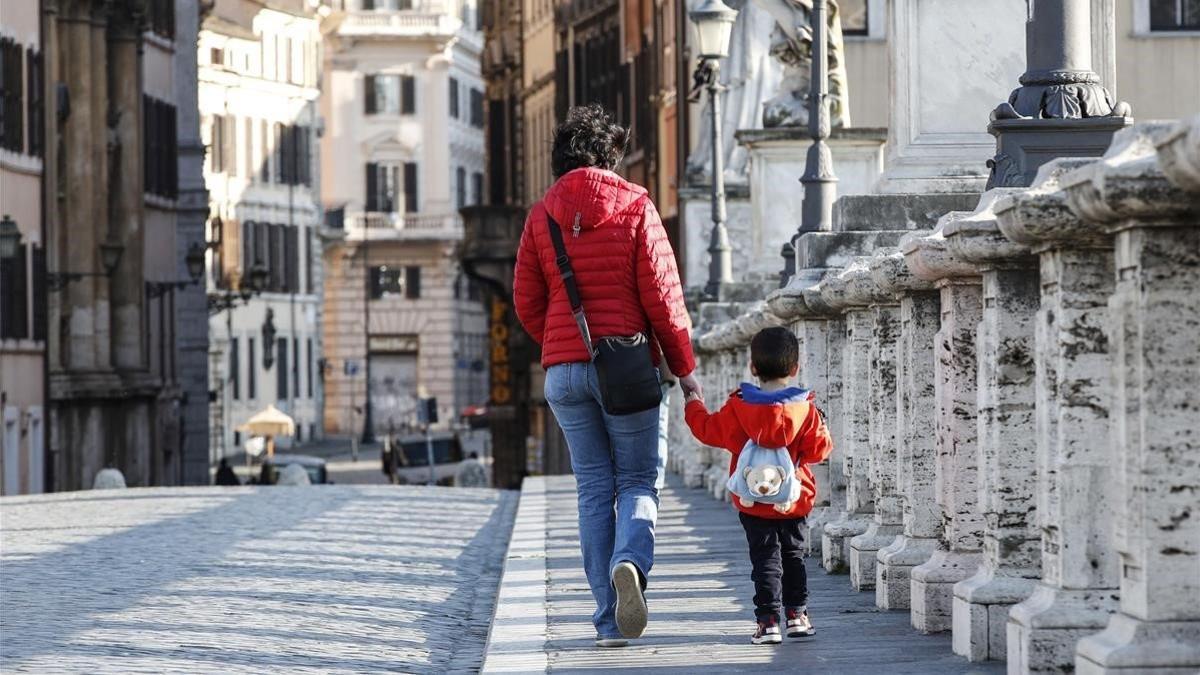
(854, 429)
(1151, 203)
(955, 438)
(887, 520)
(1078, 590)
(915, 430)
(1007, 439)
(811, 331)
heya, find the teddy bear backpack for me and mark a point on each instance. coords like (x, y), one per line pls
(765, 475)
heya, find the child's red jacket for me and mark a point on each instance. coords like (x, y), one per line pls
(773, 419)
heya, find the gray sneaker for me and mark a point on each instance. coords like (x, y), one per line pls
(611, 642)
(631, 603)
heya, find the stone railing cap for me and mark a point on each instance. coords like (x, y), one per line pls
(892, 274)
(929, 258)
(977, 239)
(1179, 154)
(1127, 183)
(1039, 215)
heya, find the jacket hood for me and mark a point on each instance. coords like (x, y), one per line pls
(596, 195)
(772, 419)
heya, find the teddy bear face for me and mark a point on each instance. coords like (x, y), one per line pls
(765, 481)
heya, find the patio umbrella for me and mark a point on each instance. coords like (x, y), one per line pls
(269, 423)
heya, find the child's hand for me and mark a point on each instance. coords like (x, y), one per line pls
(694, 396)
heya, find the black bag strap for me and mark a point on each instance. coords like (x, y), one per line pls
(568, 278)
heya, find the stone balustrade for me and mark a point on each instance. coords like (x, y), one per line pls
(1011, 393)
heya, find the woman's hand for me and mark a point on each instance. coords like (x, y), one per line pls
(690, 385)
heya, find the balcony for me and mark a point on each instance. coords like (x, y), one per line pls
(428, 18)
(403, 227)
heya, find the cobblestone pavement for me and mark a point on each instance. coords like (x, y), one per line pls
(701, 614)
(299, 580)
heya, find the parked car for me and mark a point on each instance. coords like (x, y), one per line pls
(414, 467)
(314, 466)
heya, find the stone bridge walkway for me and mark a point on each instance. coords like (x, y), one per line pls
(701, 615)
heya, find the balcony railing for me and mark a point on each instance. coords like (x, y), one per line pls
(423, 18)
(374, 225)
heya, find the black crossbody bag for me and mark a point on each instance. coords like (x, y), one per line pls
(629, 382)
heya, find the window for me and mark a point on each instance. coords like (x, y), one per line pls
(250, 253)
(281, 368)
(160, 148)
(14, 302)
(454, 97)
(251, 371)
(162, 18)
(383, 187)
(389, 280)
(264, 156)
(294, 155)
(855, 19)
(477, 108)
(460, 187)
(393, 5)
(235, 368)
(12, 95)
(476, 187)
(306, 239)
(390, 95)
(291, 261)
(386, 281)
(216, 56)
(1174, 15)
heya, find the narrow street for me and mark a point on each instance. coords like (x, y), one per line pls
(322, 579)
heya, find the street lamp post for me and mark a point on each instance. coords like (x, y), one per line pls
(819, 180)
(225, 301)
(714, 23)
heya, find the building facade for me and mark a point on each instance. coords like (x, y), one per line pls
(122, 219)
(22, 296)
(260, 78)
(403, 153)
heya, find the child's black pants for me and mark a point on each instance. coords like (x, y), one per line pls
(777, 558)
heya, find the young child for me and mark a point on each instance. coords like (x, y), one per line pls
(773, 415)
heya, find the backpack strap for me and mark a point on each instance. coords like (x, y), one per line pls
(568, 278)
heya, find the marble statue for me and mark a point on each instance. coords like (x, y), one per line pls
(750, 75)
(791, 45)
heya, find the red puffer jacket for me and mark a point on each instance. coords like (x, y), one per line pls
(623, 263)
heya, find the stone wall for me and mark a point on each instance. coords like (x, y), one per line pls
(1011, 394)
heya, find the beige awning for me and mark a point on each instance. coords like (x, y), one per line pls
(269, 422)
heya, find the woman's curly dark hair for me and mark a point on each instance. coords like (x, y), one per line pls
(588, 137)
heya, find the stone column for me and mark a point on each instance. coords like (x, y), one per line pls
(955, 438)
(887, 520)
(853, 420)
(1078, 590)
(1007, 442)
(915, 430)
(1152, 204)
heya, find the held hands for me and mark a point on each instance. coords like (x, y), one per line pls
(692, 391)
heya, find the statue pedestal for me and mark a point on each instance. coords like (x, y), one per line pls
(777, 160)
(695, 202)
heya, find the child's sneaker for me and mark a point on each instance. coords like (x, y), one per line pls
(798, 623)
(768, 632)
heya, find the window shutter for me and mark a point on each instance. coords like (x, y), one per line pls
(264, 157)
(412, 283)
(229, 252)
(454, 97)
(293, 259)
(368, 4)
(249, 237)
(369, 86)
(410, 188)
(372, 190)
(229, 138)
(39, 293)
(281, 372)
(408, 95)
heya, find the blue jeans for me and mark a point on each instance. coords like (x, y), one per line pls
(618, 461)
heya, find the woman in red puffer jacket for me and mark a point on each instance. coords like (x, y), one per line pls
(628, 283)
